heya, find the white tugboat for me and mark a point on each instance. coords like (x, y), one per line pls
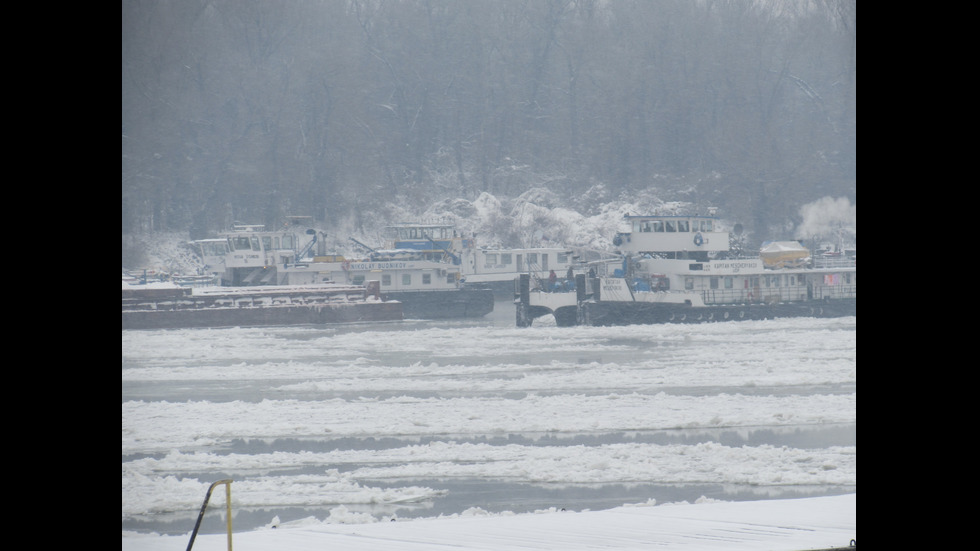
(678, 269)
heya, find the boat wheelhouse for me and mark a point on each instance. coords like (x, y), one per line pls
(480, 267)
(437, 241)
(249, 254)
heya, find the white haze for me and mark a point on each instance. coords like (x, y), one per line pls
(824, 217)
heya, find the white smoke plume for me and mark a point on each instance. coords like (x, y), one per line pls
(828, 218)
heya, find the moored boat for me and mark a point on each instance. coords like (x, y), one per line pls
(480, 266)
(680, 269)
(427, 288)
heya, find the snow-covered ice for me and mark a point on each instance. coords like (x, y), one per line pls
(452, 397)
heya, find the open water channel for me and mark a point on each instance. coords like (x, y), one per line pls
(386, 421)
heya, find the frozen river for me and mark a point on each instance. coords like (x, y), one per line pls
(373, 422)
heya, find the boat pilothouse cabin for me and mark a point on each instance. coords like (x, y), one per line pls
(438, 241)
(486, 267)
(248, 254)
(690, 237)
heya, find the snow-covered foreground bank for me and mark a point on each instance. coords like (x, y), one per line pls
(323, 426)
(773, 525)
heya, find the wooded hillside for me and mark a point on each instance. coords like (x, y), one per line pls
(251, 110)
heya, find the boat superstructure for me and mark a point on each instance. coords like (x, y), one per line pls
(480, 267)
(681, 268)
(250, 254)
(429, 287)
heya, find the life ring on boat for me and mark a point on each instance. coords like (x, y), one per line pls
(698, 240)
(346, 265)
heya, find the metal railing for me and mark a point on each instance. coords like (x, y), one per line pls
(200, 516)
(793, 293)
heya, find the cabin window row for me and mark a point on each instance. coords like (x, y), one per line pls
(532, 258)
(214, 248)
(406, 279)
(422, 233)
(782, 280)
(268, 243)
(672, 226)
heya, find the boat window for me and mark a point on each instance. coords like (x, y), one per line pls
(426, 279)
(215, 249)
(358, 280)
(532, 258)
(729, 282)
(406, 279)
(386, 280)
(492, 258)
(682, 225)
(671, 226)
(636, 226)
(505, 258)
(451, 278)
(706, 225)
(714, 283)
(562, 258)
(658, 226)
(255, 244)
(287, 242)
(267, 243)
(689, 283)
(240, 243)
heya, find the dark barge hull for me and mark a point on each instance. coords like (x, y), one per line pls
(178, 309)
(628, 313)
(462, 303)
(588, 311)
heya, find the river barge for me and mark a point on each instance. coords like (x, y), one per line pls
(680, 269)
(172, 307)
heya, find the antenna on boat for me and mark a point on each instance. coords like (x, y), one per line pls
(363, 245)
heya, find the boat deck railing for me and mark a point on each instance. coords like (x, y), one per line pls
(778, 294)
(834, 262)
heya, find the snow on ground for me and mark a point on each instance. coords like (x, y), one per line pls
(791, 525)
